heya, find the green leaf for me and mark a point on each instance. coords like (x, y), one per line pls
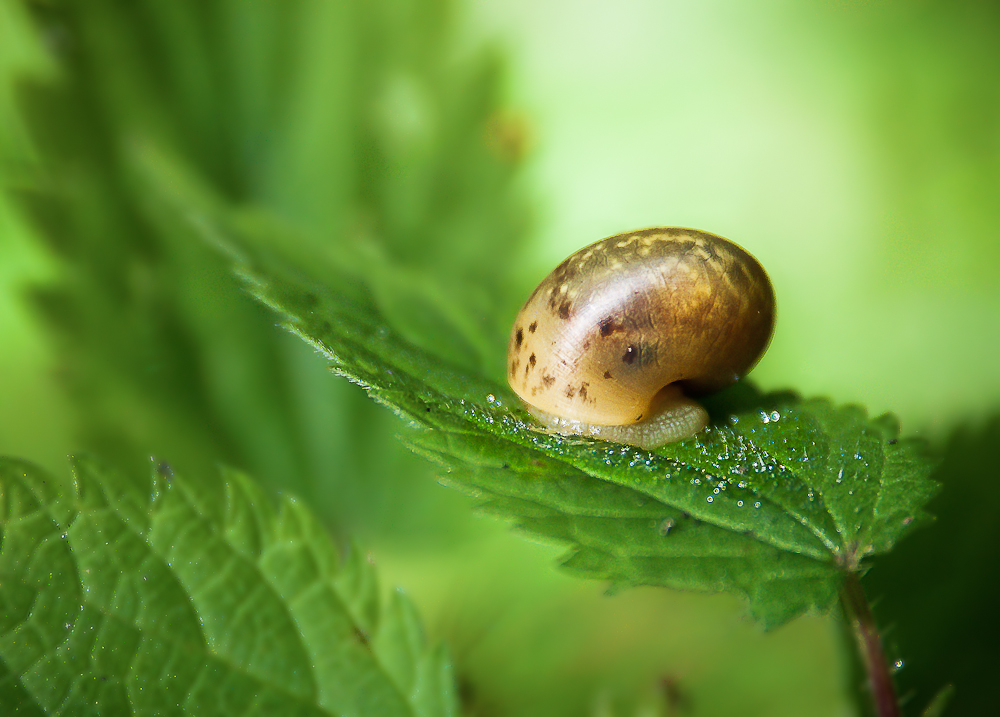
(940, 702)
(775, 500)
(119, 601)
(943, 629)
(377, 126)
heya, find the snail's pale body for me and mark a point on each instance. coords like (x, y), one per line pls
(610, 343)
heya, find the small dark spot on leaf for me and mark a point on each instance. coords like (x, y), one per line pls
(583, 390)
(532, 326)
(630, 355)
(674, 696)
(639, 417)
(607, 326)
(607, 374)
(532, 360)
(361, 636)
(570, 391)
(564, 310)
(548, 380)
(467, 694)
(519, 337)
(893, 441)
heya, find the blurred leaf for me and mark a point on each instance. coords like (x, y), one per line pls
(943, 630)
(368, 128)
(118, 601)
(773, 501)
(940, 702)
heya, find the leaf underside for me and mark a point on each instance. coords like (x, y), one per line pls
(118, 601)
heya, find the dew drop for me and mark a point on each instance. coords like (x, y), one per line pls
(739, 503)
(757, 504)
(710, 499)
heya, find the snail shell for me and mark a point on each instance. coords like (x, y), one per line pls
(614, 341)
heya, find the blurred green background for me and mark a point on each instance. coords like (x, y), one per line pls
(455, 152)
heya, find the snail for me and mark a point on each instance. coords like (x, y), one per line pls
(619, 338)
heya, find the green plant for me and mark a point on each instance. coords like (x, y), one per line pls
(336, 159)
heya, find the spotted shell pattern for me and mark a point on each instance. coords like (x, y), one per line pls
(618, 321)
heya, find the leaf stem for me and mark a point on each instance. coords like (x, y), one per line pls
(861, 622)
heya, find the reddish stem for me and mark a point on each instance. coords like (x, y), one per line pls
(859, 614)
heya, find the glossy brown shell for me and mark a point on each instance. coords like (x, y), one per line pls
(624, 317)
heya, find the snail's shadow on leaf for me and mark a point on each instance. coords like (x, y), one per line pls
(745, 397)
